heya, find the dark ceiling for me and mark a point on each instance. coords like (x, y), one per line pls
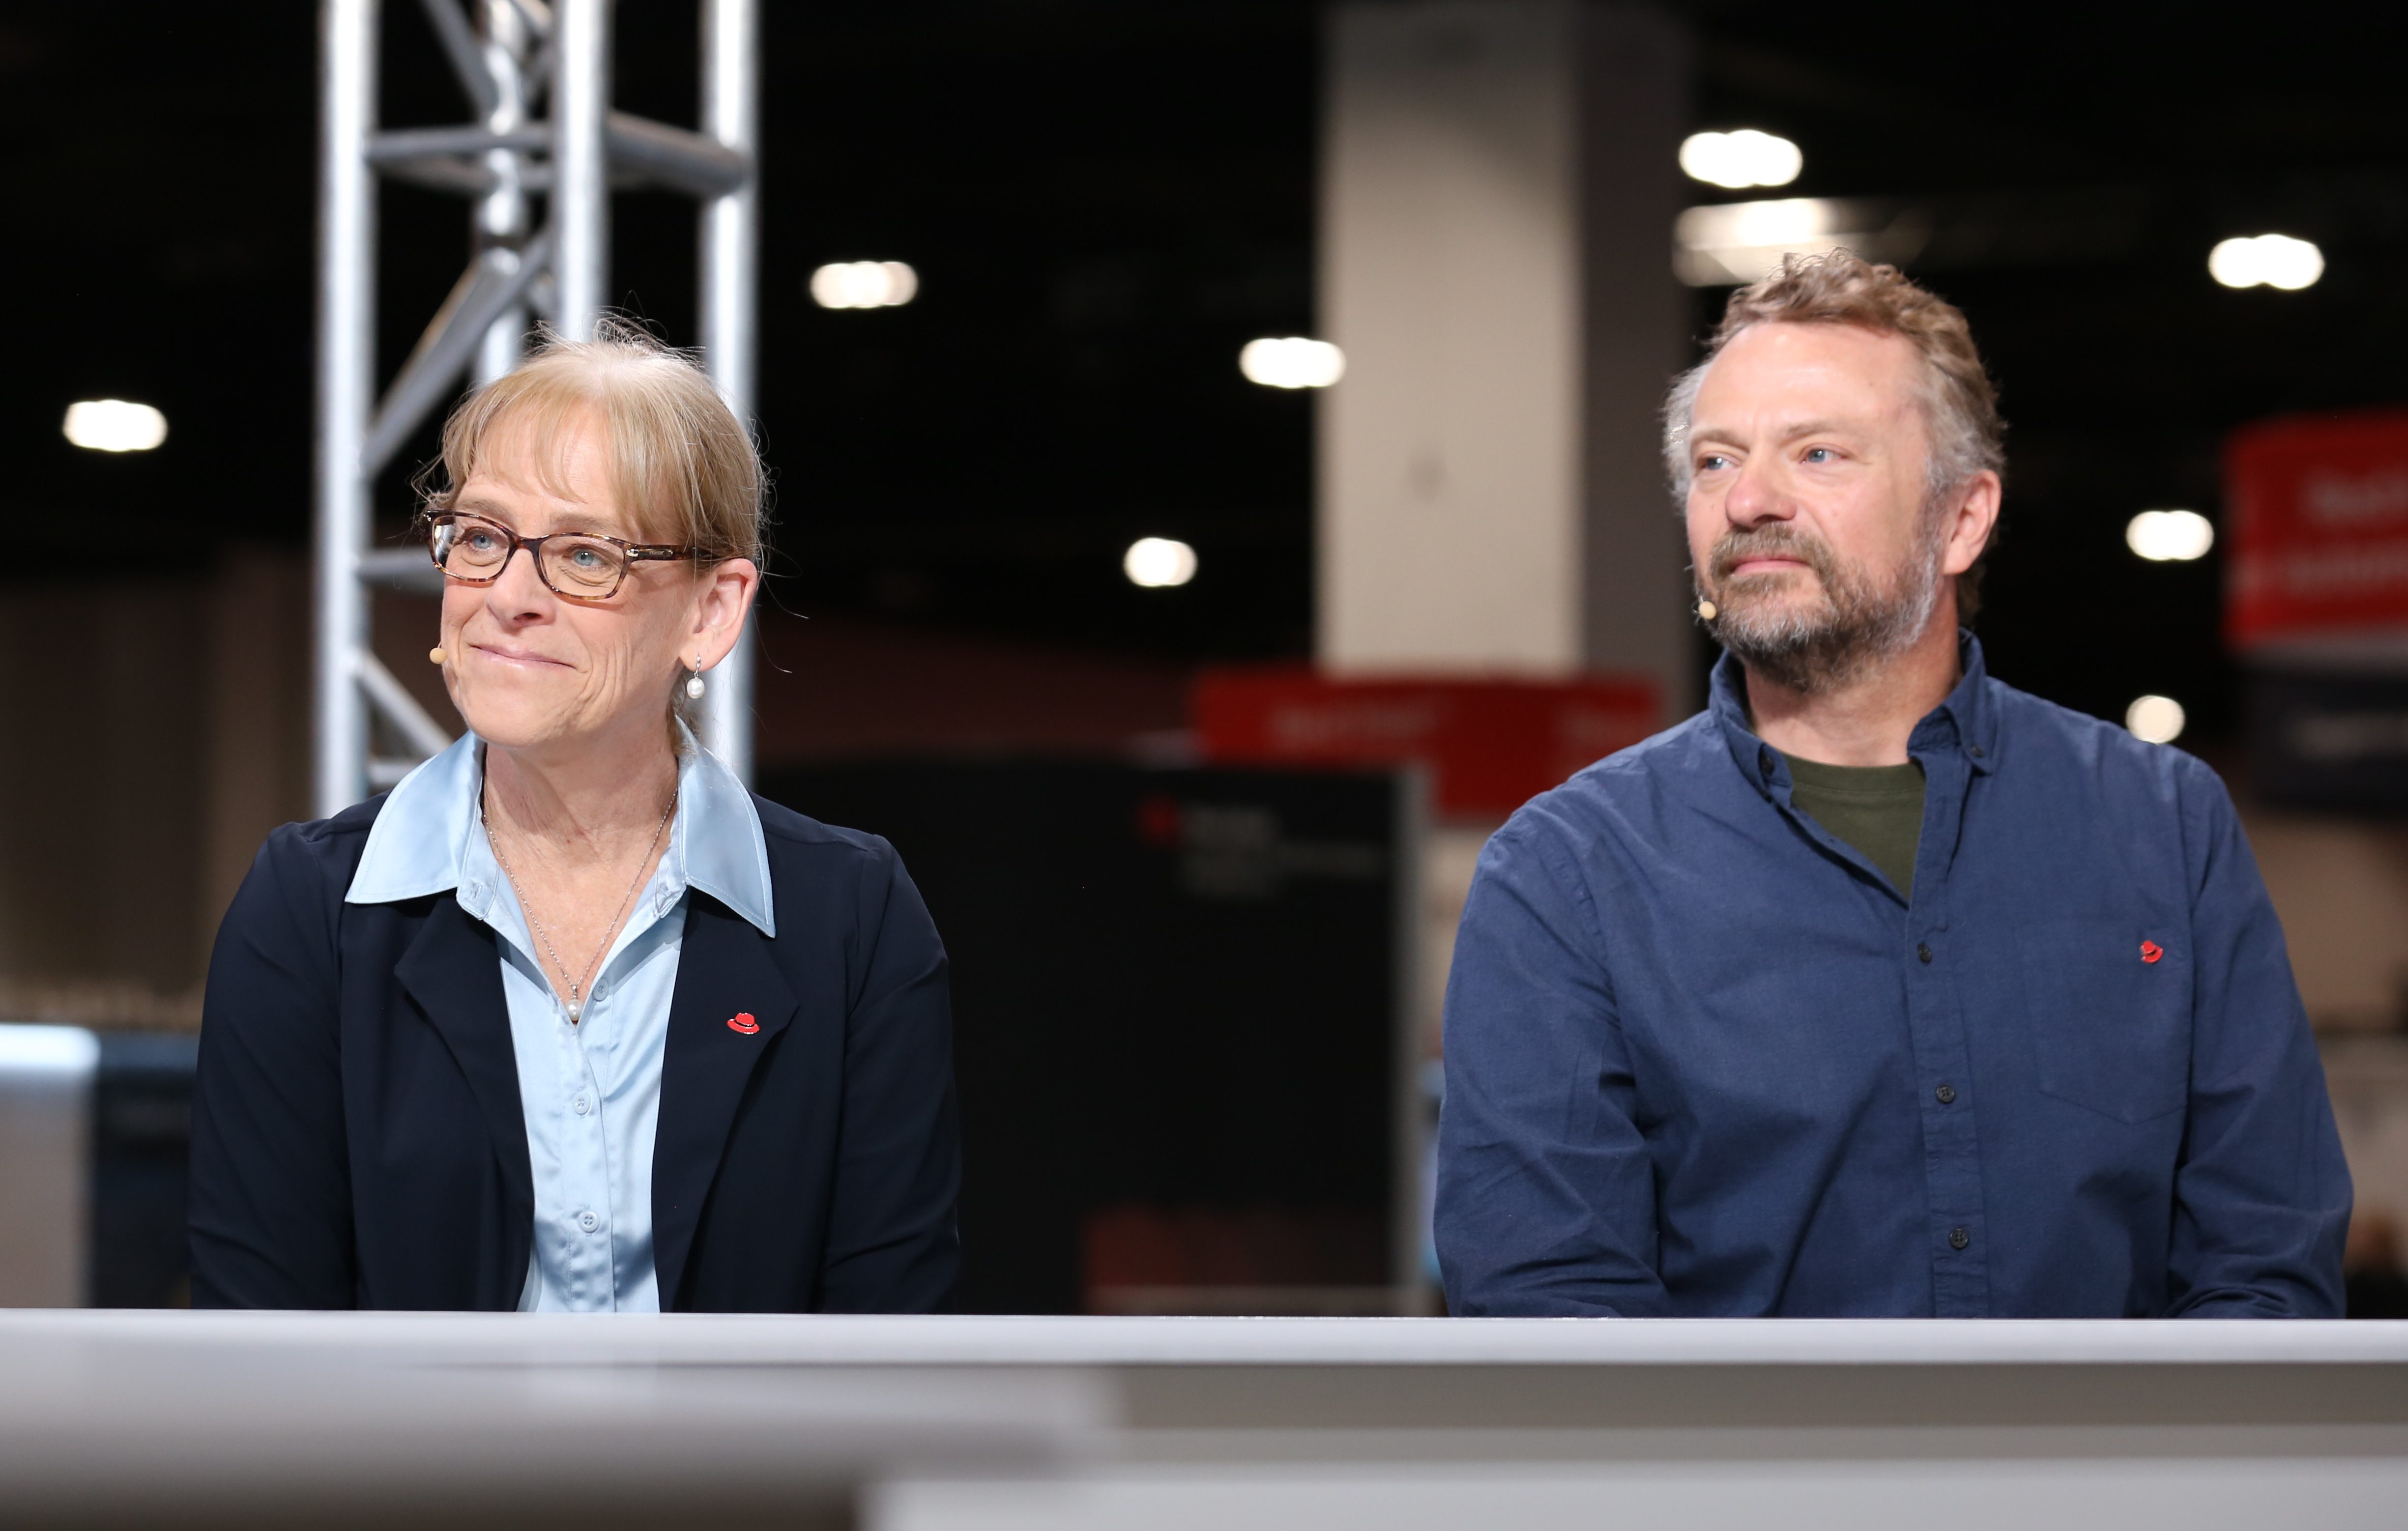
(1106, 199)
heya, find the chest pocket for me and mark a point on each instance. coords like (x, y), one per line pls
(2111, 1007)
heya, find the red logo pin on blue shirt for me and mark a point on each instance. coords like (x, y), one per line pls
(2150, 951)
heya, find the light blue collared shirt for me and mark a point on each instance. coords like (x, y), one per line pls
(591, 1092)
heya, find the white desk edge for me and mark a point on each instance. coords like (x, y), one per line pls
(1064, 1342)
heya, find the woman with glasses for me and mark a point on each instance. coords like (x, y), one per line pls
(568, 1020)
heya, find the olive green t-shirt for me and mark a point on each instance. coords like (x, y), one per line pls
(1876, 809)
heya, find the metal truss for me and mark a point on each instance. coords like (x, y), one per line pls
(537, 76)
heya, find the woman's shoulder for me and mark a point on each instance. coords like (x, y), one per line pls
(848, 885)
(342, 836)
(291, 901)
(318, 855)
(811, 861)
(804, 843)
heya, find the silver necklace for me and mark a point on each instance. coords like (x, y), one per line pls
(576, 984)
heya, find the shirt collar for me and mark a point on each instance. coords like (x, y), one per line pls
(1967, 718)
(420, 839)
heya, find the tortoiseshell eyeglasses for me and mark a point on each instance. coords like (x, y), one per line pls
(574, 565)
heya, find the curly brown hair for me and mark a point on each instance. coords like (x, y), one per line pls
(1960, 403)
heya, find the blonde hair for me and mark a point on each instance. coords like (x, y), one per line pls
(1960, 404)
(682, 466)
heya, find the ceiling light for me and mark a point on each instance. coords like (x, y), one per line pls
(2269, 260)
(1745, 158)
(1293, 362)
(1158, 563)
(1724, 243)
(864, 284)
(114, 425)
(2170, 537)
(2155, 720)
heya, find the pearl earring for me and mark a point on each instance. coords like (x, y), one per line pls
(693, 687)
(1707, 611)
(435, 655)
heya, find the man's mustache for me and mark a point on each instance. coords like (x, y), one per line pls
(1778, 539)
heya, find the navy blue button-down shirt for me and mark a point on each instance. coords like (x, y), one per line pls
(1703, 1059)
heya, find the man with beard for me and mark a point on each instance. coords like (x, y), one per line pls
(1879, 988)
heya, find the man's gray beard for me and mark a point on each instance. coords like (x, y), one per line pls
(1855, 625)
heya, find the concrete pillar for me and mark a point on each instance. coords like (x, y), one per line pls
(1499, 181)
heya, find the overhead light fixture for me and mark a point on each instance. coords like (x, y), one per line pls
(114, 425)
(1292, 362)
(1723, 244)
(1158, 562)
(2170, 537)
(864, 284)
(1741, 158)
(2155, 720)
(2267, 259)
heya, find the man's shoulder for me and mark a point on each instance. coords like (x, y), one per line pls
(2039, 736)
(1691, 753)
(1632, 788)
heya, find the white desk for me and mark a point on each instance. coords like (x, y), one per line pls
(934, 1424)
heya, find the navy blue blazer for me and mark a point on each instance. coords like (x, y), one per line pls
(357, 1139)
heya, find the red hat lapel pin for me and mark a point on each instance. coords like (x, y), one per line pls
(744, 1023)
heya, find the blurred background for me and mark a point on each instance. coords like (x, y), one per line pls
(1269, 637)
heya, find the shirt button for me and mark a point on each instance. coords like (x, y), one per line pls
(1947, 1095)
(1923, 950)
(1977, 751)
(1764, 763)
(583, 1105)
(1957, 1238)
(589, 1221)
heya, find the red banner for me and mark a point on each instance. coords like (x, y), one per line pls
(1490, 746)
(2317, 521)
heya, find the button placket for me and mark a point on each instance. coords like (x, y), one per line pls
(579, 1205)
(1935, 1021)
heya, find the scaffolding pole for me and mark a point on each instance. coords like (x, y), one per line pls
(581, 192)
(512, 57)
(505, 215)
(729, 265)
(346, 391)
